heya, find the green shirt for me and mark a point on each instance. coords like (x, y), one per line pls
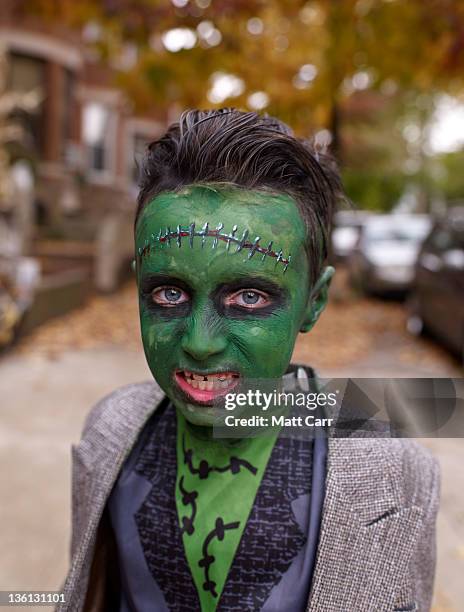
(217, 482)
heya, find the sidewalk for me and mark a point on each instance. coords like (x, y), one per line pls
(44, 403)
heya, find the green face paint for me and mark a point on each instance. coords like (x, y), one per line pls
(209, 314)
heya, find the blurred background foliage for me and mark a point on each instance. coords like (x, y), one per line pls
(377, 79)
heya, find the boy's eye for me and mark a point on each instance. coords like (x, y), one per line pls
(169, 296)
(250, 299)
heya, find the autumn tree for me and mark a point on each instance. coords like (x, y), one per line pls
(349, 66)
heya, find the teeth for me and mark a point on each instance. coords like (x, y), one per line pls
(209, 382)
(221, 376)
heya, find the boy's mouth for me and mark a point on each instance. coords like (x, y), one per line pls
(205, 388)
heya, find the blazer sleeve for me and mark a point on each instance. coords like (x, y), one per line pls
(78, 498)
(425, 561)
(79, 478)
(417, 591)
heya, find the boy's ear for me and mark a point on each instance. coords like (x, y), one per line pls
(317, 299)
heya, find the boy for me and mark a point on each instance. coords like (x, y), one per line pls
(231, 238)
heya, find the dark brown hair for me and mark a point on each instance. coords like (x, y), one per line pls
(251, 151)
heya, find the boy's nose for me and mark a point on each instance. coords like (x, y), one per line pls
(204, 337)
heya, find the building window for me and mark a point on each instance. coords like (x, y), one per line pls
(27, 74)
(98, 135)
(68, 112)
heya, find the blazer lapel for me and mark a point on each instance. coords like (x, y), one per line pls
(367, 534)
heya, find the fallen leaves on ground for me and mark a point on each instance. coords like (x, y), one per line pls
(348, 331)
(103, 320)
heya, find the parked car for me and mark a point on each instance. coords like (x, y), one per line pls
(385, 253)
(347, 224)
(436, 303)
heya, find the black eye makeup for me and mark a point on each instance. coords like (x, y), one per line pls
(165, 296)
(169, 296)
(250, 297)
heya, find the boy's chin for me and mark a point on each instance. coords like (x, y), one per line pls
(204, 416)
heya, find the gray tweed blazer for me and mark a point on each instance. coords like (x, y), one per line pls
(376, 550)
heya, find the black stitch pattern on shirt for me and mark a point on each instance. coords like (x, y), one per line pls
(204, 468)
(207, 560)
(188, 499)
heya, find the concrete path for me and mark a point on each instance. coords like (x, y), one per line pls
(44, 403)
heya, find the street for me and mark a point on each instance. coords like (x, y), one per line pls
(52, 378)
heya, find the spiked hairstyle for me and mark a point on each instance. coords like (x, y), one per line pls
(248, 150)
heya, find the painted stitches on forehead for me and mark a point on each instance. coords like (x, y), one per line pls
(182, 235)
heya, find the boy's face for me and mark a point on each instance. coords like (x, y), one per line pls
(210, 315)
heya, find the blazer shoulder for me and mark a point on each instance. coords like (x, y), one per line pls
(406, 466)
(122, 404)
(421, 474)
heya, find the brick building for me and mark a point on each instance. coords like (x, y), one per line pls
(84, 137)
